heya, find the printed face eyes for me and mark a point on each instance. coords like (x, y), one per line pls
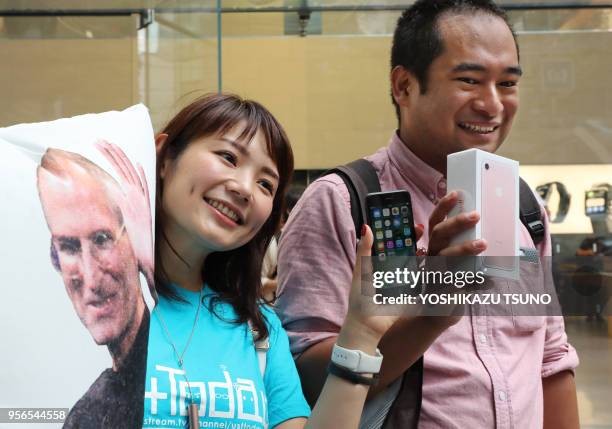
(99, 243)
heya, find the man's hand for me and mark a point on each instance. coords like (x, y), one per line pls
(443, 230)
(560, 403)
(269, 289)
(135, 207)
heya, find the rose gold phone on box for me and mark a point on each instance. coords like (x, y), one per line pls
(489, 184)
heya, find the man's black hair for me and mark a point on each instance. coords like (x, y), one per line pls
(417, 41)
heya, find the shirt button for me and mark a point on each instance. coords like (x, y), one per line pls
(483, 338)
(501, 395)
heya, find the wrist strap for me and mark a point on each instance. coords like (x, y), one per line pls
(351, 376)
(356, 360)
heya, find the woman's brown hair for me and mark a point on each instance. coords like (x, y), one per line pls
(236, 274)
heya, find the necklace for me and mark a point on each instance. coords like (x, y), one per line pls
(192, 409)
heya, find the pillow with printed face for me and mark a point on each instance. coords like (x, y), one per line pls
(78, 198)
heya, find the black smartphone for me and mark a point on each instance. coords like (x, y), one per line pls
(391, 221)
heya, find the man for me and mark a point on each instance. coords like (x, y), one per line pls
(93, 253)
(454, 83)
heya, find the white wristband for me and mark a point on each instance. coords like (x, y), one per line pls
(356, 360)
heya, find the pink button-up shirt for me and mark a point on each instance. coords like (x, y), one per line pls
(483, 372)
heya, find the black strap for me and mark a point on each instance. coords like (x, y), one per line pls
(529, 213)
(351, 376)
(360, 179)
(405, 410)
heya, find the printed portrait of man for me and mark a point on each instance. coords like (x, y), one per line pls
(92, 251)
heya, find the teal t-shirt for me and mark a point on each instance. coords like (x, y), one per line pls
(221, 368)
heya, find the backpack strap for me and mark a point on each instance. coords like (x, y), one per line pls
(402, 407)
(529, 213)
(261, 348)
(360, 179)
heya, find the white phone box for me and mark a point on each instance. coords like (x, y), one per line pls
(488, 184)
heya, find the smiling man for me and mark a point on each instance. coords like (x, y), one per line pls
(455, 75)
(91, 250)
(468, 96)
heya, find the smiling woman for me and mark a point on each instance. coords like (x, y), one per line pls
(223, 168)
(217, 355)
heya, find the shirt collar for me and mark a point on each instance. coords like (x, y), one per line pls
(414, 170)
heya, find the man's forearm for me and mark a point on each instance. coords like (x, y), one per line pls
(312, 368)
(560, 402)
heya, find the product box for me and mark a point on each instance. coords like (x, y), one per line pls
(488, 184)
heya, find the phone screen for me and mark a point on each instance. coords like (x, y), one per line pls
(391, 221)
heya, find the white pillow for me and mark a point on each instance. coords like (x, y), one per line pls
(49, 357)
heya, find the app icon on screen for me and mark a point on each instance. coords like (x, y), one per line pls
(379, 235)
(396, 222)
(380, 246)
(388, 233)
(390, 244)
(387, 222)
(376, 212)
(404, 210)
(406, 220)
(394, 211)
(378, 224)
(407, 231)
(382, 256)
(408, 242)
(385, 212)
(399, 244)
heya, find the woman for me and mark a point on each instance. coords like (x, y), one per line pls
(224, 165)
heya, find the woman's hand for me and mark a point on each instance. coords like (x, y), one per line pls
(135, 207)
(363, 330)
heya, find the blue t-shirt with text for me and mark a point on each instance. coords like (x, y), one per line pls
(221, 368)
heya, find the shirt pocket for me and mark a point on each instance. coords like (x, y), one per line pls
(529, 316)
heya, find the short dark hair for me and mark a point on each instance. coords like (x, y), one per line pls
(417, 41)
(235, 274)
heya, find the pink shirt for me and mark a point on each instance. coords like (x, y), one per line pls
(483, 372)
